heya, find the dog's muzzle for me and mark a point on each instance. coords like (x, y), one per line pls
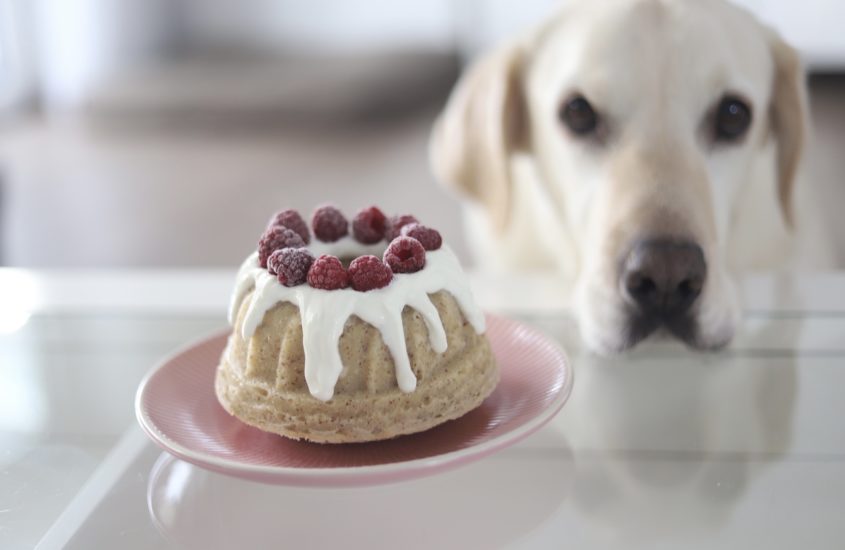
(660, 281)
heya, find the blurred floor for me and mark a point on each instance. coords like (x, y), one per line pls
(78, 196)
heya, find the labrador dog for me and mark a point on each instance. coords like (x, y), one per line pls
(643, 149)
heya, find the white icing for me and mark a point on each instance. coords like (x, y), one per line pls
(324, 312)
(346, 247)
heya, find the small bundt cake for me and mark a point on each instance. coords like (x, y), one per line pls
(336, 353)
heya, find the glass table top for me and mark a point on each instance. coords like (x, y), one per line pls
(658, 448)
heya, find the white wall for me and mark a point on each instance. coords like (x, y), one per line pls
(328, 25)
(813, 26)
(79, 42)
(17, 78)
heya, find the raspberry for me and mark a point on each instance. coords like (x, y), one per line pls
(274, 238)
(369, 273)
(329, 224)
(368, 225)
(290, 265)
(395, 225)
(292, 220)
(405, 255)
(327, 273)
(428, 237)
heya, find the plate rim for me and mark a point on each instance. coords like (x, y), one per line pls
(351, 475)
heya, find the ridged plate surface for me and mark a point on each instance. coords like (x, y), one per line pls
(178, 409)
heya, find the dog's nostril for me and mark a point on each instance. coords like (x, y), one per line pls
(689, 289)
(663, 277)
(640, 286)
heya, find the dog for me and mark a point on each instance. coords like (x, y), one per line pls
(645, 150)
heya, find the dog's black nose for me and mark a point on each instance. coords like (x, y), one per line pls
(663, 277)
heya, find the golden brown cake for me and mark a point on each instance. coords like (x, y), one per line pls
(335, 354)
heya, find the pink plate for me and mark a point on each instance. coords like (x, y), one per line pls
(178, 409)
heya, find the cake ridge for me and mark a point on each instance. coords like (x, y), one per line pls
(324, 313)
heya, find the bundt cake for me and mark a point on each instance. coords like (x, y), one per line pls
(334, 344)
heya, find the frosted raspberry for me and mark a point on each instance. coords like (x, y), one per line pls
(329, 224)
(369, 273)
(405, 255)
(273, 239)
(368, 225)
(290, 265)
(395, 225)
(327, 273)
(428, 237)
(292, 220)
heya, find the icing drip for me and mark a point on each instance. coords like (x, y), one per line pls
(324, 312)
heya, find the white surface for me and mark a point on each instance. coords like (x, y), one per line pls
(661, 448)
(207, 291)
(108, 475)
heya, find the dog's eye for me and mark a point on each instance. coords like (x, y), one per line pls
(579, 116)
(733, 117)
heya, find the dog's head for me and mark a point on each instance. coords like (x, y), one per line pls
(644, 120)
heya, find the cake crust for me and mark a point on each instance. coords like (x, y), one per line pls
(261, 379)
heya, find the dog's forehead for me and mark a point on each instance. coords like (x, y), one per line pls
(612, 49)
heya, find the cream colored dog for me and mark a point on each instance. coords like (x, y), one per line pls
(644, 149)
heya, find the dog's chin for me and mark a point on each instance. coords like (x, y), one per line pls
(609, 327)
(615, 338)
(684, 328)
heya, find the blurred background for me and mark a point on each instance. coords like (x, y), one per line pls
(164, 133)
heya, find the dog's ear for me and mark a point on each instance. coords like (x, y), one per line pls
(788, 117)
(482, 124)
